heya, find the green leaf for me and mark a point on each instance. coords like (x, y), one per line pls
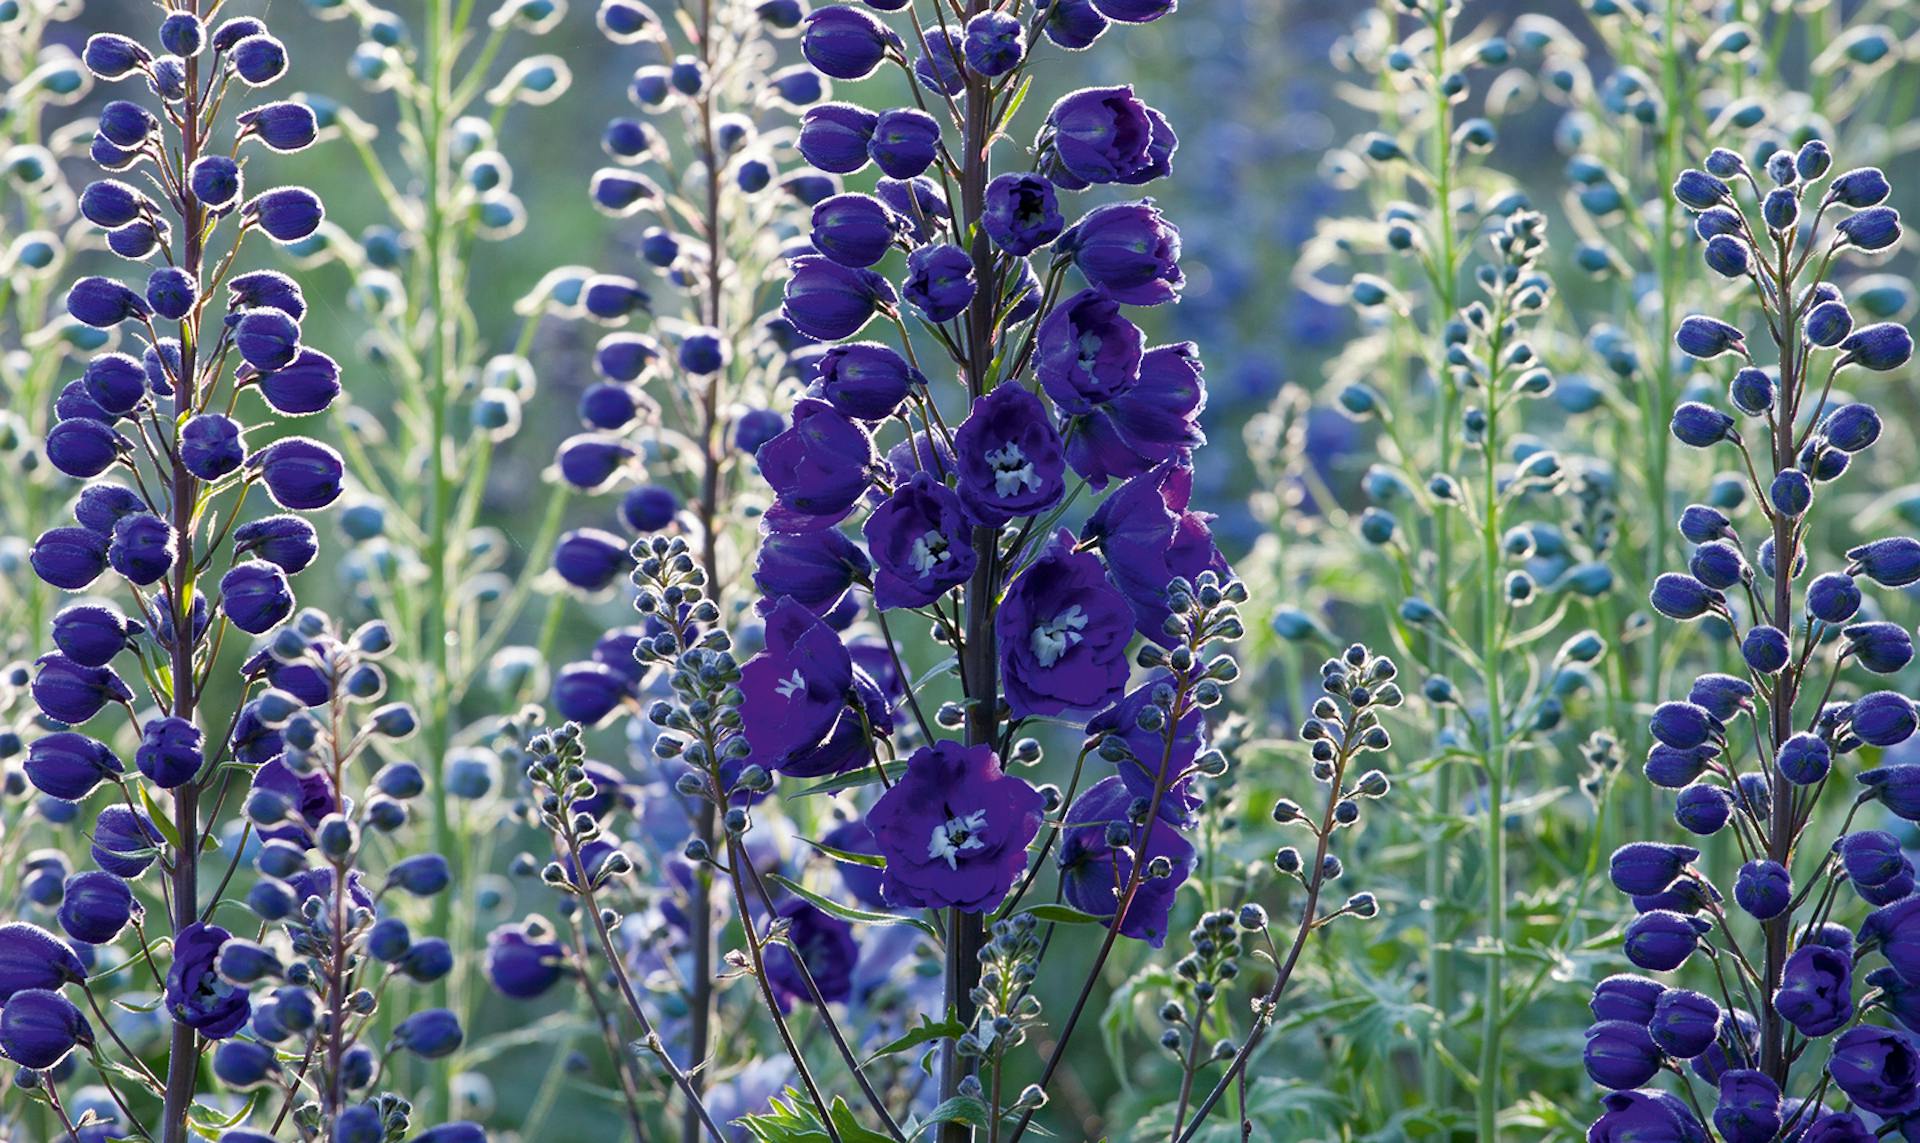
(160, 819)
(960, 1109)
(1063, 915)
(1013, 105)
(851, 1130)
(853, 779)
(847, 856)
(926, 1033)
(849, 913)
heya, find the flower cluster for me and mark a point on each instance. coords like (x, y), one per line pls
(1790, 991)
(157, 433)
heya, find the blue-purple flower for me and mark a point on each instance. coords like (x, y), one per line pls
(954, 829)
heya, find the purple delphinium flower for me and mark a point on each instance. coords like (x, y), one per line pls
(1097, 850)
(954, 829)
(921, 542)
(1062, 633)
(196, 995)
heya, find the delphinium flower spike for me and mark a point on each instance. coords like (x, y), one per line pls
(1775, 1025)
(158, 433)
(419, 555)
(698, 366)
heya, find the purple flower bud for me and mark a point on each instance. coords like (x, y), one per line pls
(110, 56)
(1707, 338)
(1648, 867)
(110, 203)
(104, 303)
(620, 193)
(1701, 809)
(1720, 565)
(1860, 188)
(996, 42)
(1620, 1054)
(1624, 996)
(1672, 769)
(940, 281)
(592, 461)
(1872, 857)
(171, 292)
(127, 125)
(1766, 649)
(1891, 562)
(1684, 1024)
(918, 203)
(704, 352)
(1763, 889)
(266, 289)
(171, 751)
(1780, 209)
(1135, 11)
(1852, 427)
(286, 540)
(267, 338)
(255, 595)
(588, 692)
(834, 137)
(184, 34)
(1804, 759)
(590, 559)
(143, 548)
(285, 126)
(306, 384)
(430, 1034)
(866, 380)
(83, 447)
(1662, 940)
(1701, 426)
(521, 965)
(1750, 1109)
(1875, 228)
(38, 1028)
(211, 446)
(258, 59)
(1883, 648)
(1701, 524)
(125, 841)
(1828, 324)
(33, 958)
(830, 302)
(1698, 190)
(247, 1064)
(300, 473)
(755, 428)
(905, 142)
(116, 382)
(845, 42)
(1728, 256)
(287, 214)
(942, 67)
(138, 241)
(1880, 347)
(1683, 725)
(70, 766)
(69, 558)
(96, 906)
(1683, 597)
(1883, 718)
(1129, 250)
(649, 508)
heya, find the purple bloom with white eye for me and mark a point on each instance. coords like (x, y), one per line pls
(1086, 353)
(521, 965)
(1062, 632)
(921, 542)
(1008, 457)
(196, 995)
(824, 944)
(1149, 536)
(819, 466)
(796, 687)
(1105, 135)
(1095, 871)
(954, 829)
(1129, 250)
(940, 282)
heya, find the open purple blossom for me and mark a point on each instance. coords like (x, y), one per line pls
(954, 829)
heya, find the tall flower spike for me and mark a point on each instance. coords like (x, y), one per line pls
(1803, 966)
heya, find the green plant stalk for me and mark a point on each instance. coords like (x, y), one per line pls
(1492, 1006)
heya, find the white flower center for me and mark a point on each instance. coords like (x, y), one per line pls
(929, 551)
(1012, 471)
(1051, 639)
(955, 835)
(792, 685)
